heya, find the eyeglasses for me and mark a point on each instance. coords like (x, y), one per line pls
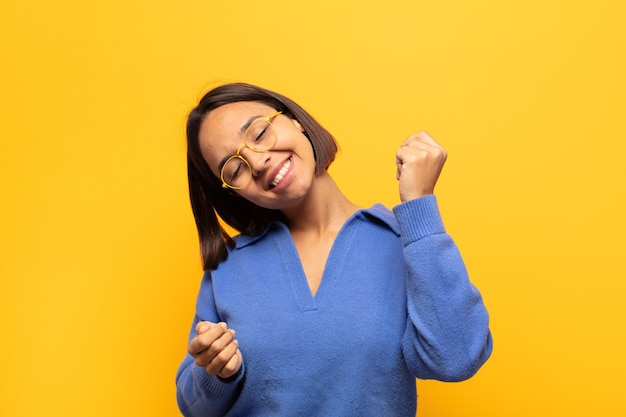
(260, 136)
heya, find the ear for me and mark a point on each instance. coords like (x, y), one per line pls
(298, 125)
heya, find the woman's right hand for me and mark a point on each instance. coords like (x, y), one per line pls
(215, 349)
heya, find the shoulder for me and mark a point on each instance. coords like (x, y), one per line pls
(381, 215)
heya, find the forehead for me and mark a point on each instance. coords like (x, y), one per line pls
(221, 131)
(225, 122)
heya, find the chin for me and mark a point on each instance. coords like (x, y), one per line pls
(281, 201)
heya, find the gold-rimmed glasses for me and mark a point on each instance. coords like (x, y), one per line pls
(260, 136)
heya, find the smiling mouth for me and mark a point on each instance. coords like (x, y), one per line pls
(281, 173)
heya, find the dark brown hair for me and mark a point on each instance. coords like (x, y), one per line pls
(209, 200)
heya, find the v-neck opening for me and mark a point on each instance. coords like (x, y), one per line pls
(307, 300)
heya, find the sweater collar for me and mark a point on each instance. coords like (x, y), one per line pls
(377, 212)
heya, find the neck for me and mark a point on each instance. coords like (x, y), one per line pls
(325, 209)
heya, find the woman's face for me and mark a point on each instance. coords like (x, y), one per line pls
(282, 176)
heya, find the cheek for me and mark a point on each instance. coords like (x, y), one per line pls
(303, 146)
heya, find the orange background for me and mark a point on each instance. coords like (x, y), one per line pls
(99, 267)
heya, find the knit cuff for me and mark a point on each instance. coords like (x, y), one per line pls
(214, 385)
(418, 218)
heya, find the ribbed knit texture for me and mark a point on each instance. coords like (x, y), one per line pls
(418, 219)
(395, 303)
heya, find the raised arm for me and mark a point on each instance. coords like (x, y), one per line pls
(447, 335)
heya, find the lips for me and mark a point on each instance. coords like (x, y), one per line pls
(281, 173)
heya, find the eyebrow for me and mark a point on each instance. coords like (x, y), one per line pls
(242, 131)
(247, 124)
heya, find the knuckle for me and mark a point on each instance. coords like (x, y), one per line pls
(221, 343)
(215, 348)
(226, 353)
(200, 361)
(211, 368)
(411, 158)
(214, 366)
(231, 366)
(221, 358)
(228, 369)
(194, 347)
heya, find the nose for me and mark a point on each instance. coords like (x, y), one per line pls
(259, 161)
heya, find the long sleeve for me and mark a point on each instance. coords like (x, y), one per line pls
(198, 392)
(447, 335)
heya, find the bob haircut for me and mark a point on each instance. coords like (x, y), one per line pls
(209, 200)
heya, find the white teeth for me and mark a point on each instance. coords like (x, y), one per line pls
(281, 173)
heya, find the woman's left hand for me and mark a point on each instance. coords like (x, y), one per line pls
(420, 160)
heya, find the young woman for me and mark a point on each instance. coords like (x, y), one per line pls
(318, 307)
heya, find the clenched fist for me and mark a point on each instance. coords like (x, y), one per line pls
(215, 349)
(419, 160)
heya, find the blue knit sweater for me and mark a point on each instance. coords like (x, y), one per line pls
(394, 304)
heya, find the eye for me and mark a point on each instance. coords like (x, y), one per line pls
(261, 134)
(234, 169)
(236, 172)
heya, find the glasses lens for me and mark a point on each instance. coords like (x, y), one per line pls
(236, 172)
(261, 136)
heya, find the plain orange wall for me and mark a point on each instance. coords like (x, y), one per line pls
(99, 262)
